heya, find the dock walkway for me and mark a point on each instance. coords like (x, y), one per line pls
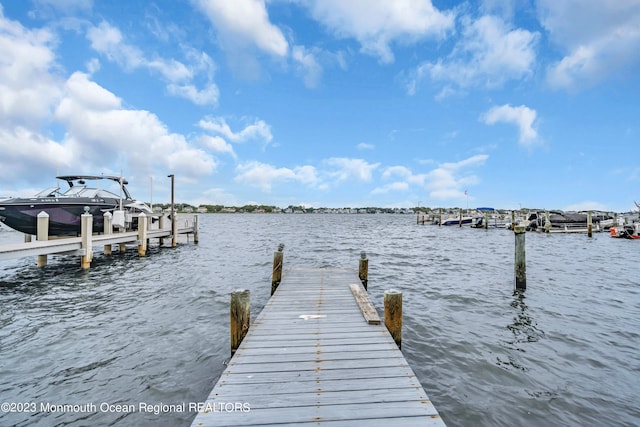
(311, 358)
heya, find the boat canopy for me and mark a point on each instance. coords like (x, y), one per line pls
(485, 209)
(71, 178)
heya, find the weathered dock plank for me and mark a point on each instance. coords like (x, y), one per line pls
(312, 358)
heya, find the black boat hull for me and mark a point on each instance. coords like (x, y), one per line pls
(64, 219)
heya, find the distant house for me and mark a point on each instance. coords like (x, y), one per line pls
(202, 209)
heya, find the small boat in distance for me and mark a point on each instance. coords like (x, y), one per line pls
(65, 208)
(629, 231)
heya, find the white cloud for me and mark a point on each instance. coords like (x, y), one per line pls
(258, 130)
(376, 24)
(108, 40)
(263, 175)
(101, 132)
(600, 39)
(244, 22)
(28, 87)
(218, 144)
(308, 65)
(345, 168)
(522, 116)
(394, 186)
(489, 53)
(449, 180)
(365, 146)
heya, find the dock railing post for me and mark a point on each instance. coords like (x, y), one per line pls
(276, 276)
(42, 230)
(393, 314)
(143, 232)
(363, 269)
(86, 232)
(107, 229)
(520, 261)
(239, 316)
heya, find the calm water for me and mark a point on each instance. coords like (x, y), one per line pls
(155, 330)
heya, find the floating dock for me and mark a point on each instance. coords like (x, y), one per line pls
(318, 355)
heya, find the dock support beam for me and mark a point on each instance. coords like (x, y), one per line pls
(42, 228)
(143, 232)
(363, 269)
(86, 231)
(520, 261)
(239, 316)
(393, 314)
(276, 276)
(107, 229)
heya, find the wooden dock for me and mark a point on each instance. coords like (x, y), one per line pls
(83, 246)
(314, 356)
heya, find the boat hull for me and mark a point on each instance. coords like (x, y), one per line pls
(64, 219)
(626, 232)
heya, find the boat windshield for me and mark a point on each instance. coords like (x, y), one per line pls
(49, 192)
(89, 192)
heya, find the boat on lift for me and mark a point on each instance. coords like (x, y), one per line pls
(65, 207)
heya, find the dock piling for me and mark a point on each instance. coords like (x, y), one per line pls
(86, 231)
(589, 225)
(143, 230)
(276, 276)
(393, 314)
(107, 229)
(239, 316)
(547, 222)
(363, 269)
(520, 261)
(42, 228)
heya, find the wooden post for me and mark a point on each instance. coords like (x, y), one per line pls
(363, 269)
(547, 222)
(589, 225)
(393, 314)
(143, 223)
(174, 229)
(195, 229)
(107, 229)
(520, 262)
(440, 220)
(27, 238)
(161, 227)
(486, 219)
(42, 234)
(276, 277)
(174, 220)
(460, 221)
(239, 316)
(86, 232)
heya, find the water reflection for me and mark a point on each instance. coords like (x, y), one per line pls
(524, 330)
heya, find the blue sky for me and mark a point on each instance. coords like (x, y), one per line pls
(327, 102)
